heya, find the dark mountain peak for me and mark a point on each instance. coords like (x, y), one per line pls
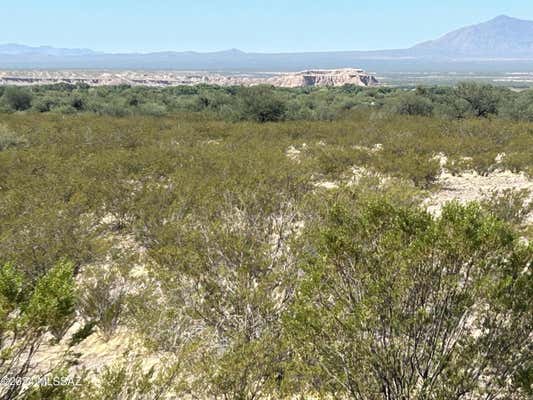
(503, 17)
(506, 20)
(502, 37)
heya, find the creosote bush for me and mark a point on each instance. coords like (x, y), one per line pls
(262, 259)
(102, 299)
(396, 304)
(512, 206)
(28, 313)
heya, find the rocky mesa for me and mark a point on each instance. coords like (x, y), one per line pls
(336, 77)
(324, 77)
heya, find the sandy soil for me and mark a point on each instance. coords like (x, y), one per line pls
(470, 186)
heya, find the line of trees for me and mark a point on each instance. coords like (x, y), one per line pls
(264, 103)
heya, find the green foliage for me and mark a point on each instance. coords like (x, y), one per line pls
(152, 109)
(396, 304)
(269, 104)
(225, 271)
(483, 99)
(411, 104)
(512, 206)
(128, 379)
(8, 139)
(27, 314)
(45, 104)
(17, 98)
(261, 104)
(102, 298)
(53, 300)
(417, 167)
(116, 108)
(60, 386)
(11, 288)
(520, 108)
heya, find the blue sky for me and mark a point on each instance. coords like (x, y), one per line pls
(250, 25)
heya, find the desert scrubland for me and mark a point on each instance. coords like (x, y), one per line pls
(261, 243)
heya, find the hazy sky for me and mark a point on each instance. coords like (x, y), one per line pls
(250, 25)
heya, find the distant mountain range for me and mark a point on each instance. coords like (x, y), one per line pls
(503, 43)
(501, 37)
(21, 50)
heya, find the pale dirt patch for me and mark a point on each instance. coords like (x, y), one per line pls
(93, 353)
(441, 158)
(378, 147)
(328, 185)
(294, 153)
(353, 178)
(212, 142)
(470, 186)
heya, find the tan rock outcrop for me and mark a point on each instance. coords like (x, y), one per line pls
(321, 77)
(337, 77)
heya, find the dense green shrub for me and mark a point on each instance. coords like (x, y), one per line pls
(128, 379)
(484, 99)
(17, 98)
(152, 109)
(265, 103)
(8, 139)
(512, 206)
(52, 303)
(519, 108)
(396, 304)
(27, 313)
(102, 299)
(411, 104)
(261, 104)
(45, 104)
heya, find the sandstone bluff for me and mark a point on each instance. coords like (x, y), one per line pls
(336, 77)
